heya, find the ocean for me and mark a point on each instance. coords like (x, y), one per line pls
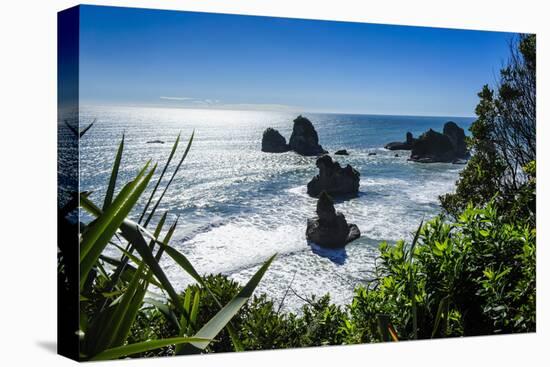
(237, 206)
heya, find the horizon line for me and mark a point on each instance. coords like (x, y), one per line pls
(299, 111)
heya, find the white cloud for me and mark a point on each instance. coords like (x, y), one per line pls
(176, 98)
(261, 107)
(217, 104)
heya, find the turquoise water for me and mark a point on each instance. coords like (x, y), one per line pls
(238, 206)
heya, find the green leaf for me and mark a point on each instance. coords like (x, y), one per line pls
(415, 240)
(503, 273)
(184, 263)
(129, 272)
(412, 282)
(165, 310)
(130, 313)
(170, 181)
(489, 273)
(187, 308)
(130, 349)
(220, 320)
(158, 229)
(441, 246)
(114, 174)
(484, 232)
(174, 147)
(112, 334)
(188, 267)
(100, 232)
(195, 309)
(442, 314)
(131, 231)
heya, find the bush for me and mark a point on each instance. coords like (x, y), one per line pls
(260, 325)
(477, 276)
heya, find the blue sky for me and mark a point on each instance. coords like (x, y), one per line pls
(184, 59)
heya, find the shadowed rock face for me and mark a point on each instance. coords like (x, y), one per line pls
(457, 137)
(330, 228)
(333, 179)
(433, 147)
(273, 142)
(405, 145)
(304, 139)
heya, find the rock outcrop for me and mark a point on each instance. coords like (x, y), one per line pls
(274, 142)
(458, 139)
(432, 146)
(330, 228)
(304, 139)
(341, 152)
(405, 145)
(333, 179)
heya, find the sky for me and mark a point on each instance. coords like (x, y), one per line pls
(202, 60)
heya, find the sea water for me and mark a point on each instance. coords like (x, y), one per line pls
(237, 206)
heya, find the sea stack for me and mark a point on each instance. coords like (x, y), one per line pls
(432, 146)
(273, 142)
(330, 228)
(304, 139)
(333, 179)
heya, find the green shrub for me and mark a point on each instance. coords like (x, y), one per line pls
(477, 274)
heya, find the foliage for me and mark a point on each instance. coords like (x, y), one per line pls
(503, 138)
(472, 277)
(478, 271)
(117, 319)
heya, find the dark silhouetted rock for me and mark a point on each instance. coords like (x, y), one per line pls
(458, 139)
(304, 139)
(273, 142)
(432, 147)
(333, 179)
(155, 142)
(341, 152)
(405, 145)
(448, 147)
(372, 153)
(330, 228)
(396, 156)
